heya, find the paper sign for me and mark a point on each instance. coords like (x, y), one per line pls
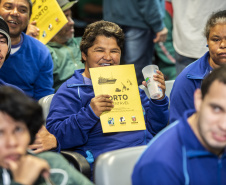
(121, 84)
(49, 17)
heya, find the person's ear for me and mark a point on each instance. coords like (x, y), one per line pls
(198, 99)
(84, 57)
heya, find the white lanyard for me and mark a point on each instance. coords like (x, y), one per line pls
(6, 177)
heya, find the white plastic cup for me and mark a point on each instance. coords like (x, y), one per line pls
(152, 85)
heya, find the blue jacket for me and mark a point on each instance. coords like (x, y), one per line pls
(175, 156)
(30, 68)
(144, 14)
(76, 127)
(181, 96)
(2, 83)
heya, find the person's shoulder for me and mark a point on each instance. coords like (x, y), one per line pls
(166, 140)
(67, 86)
(182, 78)
(49, 156)
(163, 154)
(186, 70)
(34, 42)
(77, 39)
(61, 170)
(54, 159)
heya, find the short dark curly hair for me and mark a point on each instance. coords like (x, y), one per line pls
(20, 107)
(105, 28)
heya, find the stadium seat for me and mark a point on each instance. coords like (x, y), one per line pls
(116, 167)
(45, 103)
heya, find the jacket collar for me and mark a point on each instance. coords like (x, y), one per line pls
(77, 79)
(200, 68)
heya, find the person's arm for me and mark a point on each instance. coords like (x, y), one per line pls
(44, 141)
(71, 122)
(62, 171)
(153, 13)
(28, 169)
(156, 112)
(44, 82)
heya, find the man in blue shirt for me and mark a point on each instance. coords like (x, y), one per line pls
(191, 150)
(29, 65)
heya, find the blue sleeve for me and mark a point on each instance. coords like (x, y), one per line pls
(153, 13)
(182, 96)
(44, 83)
(155, 173)
(156, 113)
(58, 148)
(70, 121)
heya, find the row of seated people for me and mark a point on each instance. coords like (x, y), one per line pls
(195, 142)
(62, 120)
(51, 65)
(36, 68)
(107, 41)
(66, 117)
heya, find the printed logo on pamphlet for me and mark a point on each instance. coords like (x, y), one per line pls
(111, 121)
(122, 120)
(134, 119)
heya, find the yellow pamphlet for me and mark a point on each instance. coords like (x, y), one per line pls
(49, 17)
(121, 84)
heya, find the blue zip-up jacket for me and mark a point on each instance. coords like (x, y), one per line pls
(30, 68)
(175, 157)
(76, 127)
(190, 79)
(144, 14)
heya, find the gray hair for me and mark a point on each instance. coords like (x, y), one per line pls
(215, 18)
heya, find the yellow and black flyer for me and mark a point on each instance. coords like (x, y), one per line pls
(121, 84)
(49, 18)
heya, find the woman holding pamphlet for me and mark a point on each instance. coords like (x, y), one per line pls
(75, 111)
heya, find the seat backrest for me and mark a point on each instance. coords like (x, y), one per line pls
(116, 167)
(145, 90)
(169, 86)
(45, 103)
